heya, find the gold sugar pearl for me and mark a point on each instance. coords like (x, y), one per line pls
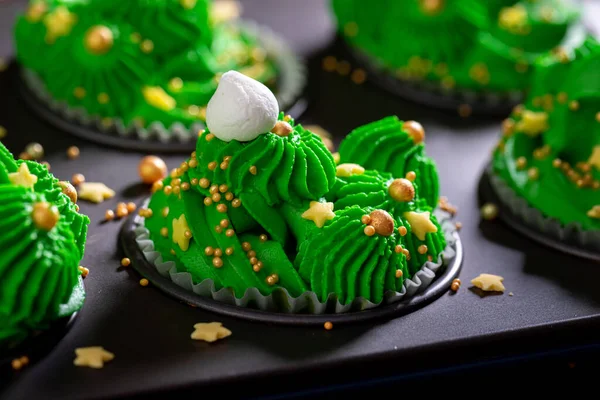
(251, 254)
(217, 262)
(172, 252)
(328, 326)
(212, 165)
(168, 190)
(533, 173)
(46, 164)
(210, 137)
(218, 252)
(272, 279)
(236, 203)
(194, 182)
(109, 215)
(84, 271)
(369, 230)
(193, 163)
(398, 249)
(229, 251)
(184, 166)
(216, 197)
(125, 262)
(411, 176)
(176, 182)
(455, 285)
(213, 189)
(229, 232)
(209, 251)
(253, 260)
(147, 46)
(224, 223)
(222, 208)
(415, 131)
(164, 231)
(402, 231)
(246, 246)
(399, 273)
(489, 211)
(131, 207)
(521, 162)
(224, 165)
(156, 186)
(68, 190)
(45, 216)
(144, 282)
(227, 158)
(402, 190)
(73, 152)
(177, 190)
(256, 268)
(365, 219)
(208, 201)
(253, 170)
(223, 188)
(229, 196)
(187, 234)
(422, 249)
(383, 222)
(282, 128)
(185, 186)
(263, 238)
(77, 179)
(574, 105)
(218, 229)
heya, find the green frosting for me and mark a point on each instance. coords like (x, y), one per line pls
(549, 153)
(277, 213)
(139, 61)
(468, 44)
(39, 275)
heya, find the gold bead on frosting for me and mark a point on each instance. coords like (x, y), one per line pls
(44, 215)
(69, 190)
(382, 221)
(99, 39)
(415, 131)
(282, 128)
(402, 190)
(152, 169)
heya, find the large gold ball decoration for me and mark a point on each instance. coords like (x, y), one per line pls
(432, 7)
(383, 222)
(282, 128)
(152, 169)
(44, 215)
(402, 190)
(99, 39)
(415, 131)
(69, 190)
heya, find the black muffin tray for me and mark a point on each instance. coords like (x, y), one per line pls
(554, 309)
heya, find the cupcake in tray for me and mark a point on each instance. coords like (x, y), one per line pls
(143, 68)
(260, 215)
(42, 241)
(468, 50)
(546, 167)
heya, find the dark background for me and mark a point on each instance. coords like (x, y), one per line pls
(550, 325)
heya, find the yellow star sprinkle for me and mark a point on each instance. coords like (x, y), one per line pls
(180, 227)
(23, 177)
(210, 332)
(489, 283)
(420, 223)
(157, 97)
(95, 192)
(533, 123)
(319, 213)
(59, 23)
(93, 357)
(595, 157)
(346, 170)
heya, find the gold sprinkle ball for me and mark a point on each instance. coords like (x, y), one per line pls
(45, 216)
(282, 128)
(229, 232)
(68, 190)
(217, 262)
(382, 222)
(415, 131)
(272, 279)
(99, 39)
(251, 254)
(369, 230)
(402, 190)
(366, 219)
(422, 249)
(16, 364)
(222, 208)
(156, 186)
(399, 273)
(253, 170)
(223, 188)
(489, 211)
(218, 252)
(411, 176)
(152, 169)
(84, 271)
(77, 179)
(263, 238)
(35, 151)
(402, 231)
(131, 207)
(246, 246)
(125, 262)
(236, 203)
(212, 165)
(109, 215)
(144, 282)
(328, 326)
(229, 251)
(455, 285)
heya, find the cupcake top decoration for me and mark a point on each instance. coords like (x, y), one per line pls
(42, 242)
(262, 207)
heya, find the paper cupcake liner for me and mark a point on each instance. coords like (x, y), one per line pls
(307, 303)
(567, 237)
(291, 81)
(432, 93)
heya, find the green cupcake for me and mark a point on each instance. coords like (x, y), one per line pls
(549, 154)
(134, 63)
(42, 244)
(266, 213)
(472, 45)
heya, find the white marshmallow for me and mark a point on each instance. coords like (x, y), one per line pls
(241, 109)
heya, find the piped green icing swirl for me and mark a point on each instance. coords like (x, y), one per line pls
(39, 266)
(467, 44)
(386, 147)
(549, 153)
(168, 46)
(256, 216)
